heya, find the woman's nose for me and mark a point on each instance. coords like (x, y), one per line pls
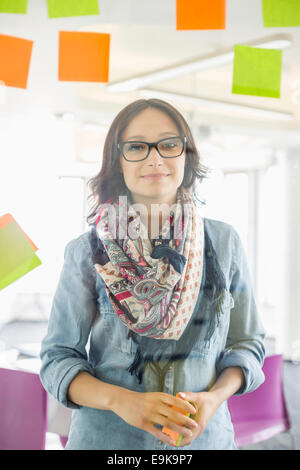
(154, 157)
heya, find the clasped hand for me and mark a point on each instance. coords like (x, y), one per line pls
(206, 404)
(147, 410)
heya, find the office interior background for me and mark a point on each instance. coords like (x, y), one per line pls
(52, 135)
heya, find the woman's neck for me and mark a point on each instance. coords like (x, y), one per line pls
(156, 211)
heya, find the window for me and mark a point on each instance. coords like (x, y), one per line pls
(227, 199)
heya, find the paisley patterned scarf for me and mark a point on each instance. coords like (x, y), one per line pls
(153, 286)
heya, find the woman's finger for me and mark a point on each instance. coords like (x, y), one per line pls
(185, 442)
(179, 402)
(178, 417)
(177, 427)
(161, 436)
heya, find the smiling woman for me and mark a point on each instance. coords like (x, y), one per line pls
(165, 315)
(145, 120)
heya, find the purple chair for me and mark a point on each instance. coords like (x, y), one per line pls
(63, 440)
(261, 414)
(23, 411)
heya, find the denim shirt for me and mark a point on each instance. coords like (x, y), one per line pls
(84, 334)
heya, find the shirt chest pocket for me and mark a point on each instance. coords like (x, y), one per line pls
(116, 331)
(212, 323)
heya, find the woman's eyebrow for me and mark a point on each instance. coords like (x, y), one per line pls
(143, 137)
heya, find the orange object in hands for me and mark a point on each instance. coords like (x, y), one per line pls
(174, 434)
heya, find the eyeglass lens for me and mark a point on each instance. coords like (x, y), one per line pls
(135, 151)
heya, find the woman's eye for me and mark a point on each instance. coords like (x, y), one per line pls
(134, 147)
(170, 145)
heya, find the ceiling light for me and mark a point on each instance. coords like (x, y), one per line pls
(279, 41)
(249, 111)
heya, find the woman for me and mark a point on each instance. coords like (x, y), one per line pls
(164, 298)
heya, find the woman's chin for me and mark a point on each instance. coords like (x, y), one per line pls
(159, 192)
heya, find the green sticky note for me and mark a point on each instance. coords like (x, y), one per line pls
(257, 71)
(63, 8)
(281, 13)
(17, 255)
(13, 6)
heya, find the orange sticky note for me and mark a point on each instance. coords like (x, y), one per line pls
(7, 219)
(83, 56)
(15, 57)
(17, 252)
(200, 14)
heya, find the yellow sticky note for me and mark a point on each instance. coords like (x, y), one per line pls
(257, 71)
(281, 13)
(64, 8)
(13, 6)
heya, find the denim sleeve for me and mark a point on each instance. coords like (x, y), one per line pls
(245, 341)
(63, 349)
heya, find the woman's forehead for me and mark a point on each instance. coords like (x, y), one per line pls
(150, 122)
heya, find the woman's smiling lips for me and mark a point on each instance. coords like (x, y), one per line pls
(155, 176)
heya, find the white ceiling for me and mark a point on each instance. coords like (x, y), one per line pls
(143, 39)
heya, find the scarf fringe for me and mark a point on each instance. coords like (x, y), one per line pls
(215, 284)
(136, 368)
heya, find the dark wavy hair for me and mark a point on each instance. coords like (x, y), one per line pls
(109, 182)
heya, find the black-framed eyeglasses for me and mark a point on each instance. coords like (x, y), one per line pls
(135, 151)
